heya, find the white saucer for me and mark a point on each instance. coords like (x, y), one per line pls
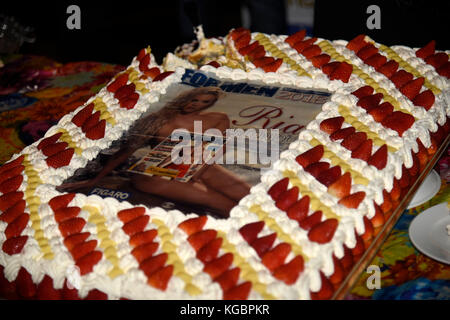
(427, 190)
(428, 233)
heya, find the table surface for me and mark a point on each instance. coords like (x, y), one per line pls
(35, 92)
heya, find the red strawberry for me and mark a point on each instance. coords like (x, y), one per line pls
(330, 67)
(263, 61)
(152, 72)
(12, 184)
(359, 247)
(370, 102)
(136, 225)
(49, 141)
(15, 228)
(154, 263)
(120, 81)
(444, 70)
(124, 91)
(97, 131)
(405, 179)
(60, 159)
(144, 251)
(69, 293)
(83, 248)
(9, 165)
(367, 51)
(228, 279)
(331, 125)
(219, 265)
(310, 156)
(263, 244)
(239, 292)
(386, 206)
(242, 41)
(273, 66)
(61, 201)
(396, 191)
(278, 188)
(324, 231)
(342, 72)
(91, 121)
(414, 170)
(378, 219)
(398, 121)
(364, 151)
(296, 37)
(14, 245)
(87, 262)
(52, 149)
(412, 88)
(256, 53)
(141, 54)
(329, 176)
(144, 62)
(310, 221)
(66, 213)
(353, 141)
(299, 210)
(209, 251)
(320, 60)
(126, 215)
(71, 241)
(275, 257)
(25, 284)
(357, 43)
(424, 99)
(422, 153)
(353, 200)
(317, 167)
(81, 116)
(201, 238)
(193, 225)
(9, 199)
(376, 60)
(247, 49)
(326, 289)
(250, 231)
(427, 50)
(95, 294)
(7, 289)
(287, 199)
(341, 187)
(302, 45)
(71, 226)
(13, 212)
(368, 230)
(311, 51)
(143, 237)
(339, 272)
(363, 91)
(379, 158)
(160, 278)
(236, 33)
(288, 273)
(437, 59)
(389, 68)
(342, 133)
(401, 77)
(46, 291)
(347, 259)
(162, 76)
(130, 101)
(382, 111)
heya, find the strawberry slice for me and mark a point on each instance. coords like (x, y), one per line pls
(347, 259)
(341, 187)
(143, 237)
(136, 225)
(162, 76)
(14, 245)
(324, 231)
(353, 200)
(320, 60)
(247, 49)
(444, 70)
(331, 125)
(387, 205)
(13, 212)
(25, 285)
(160, 278)
(370, 102)
(317, 167)
(368, 230)
(52, 149)
(299, 46)
(193, 225)
(239, 292)
(330, 67)
(201, 238)
(398, 121)
(287, 199)
(9, 165)
(15, 228)
(310, 221)
(152, 72)
(256, 53)
(311, 51)
(263, 61)
(275, 257)
(389, 68)
(424, 99)
(209, 251)
(151, 264)
(91, 121)
(278, 188)
(288, 273)
(130, 101)
(242, 41)
(357, 43)
(87, 262)
(339, 272)
(359, 247)
(81, 116)
(427, 50)
(46, 291)
(296, 37)
(299, 210)
(61, 201)
(125, 91)
(379, 158)
(414, 170)
(310, 156)
(422, 153)
(228, 279)
(126, 215)
(9, 199)
(71, 241)
(353, 141)
(364, 151)
(69, 293)
(376, 60)
(71, 226)
(378, 219)
(60, 159)
(412, 88)
(263, 244)
(144, 62)
(405, 179)
(273, 66)
(342, 72)
(66, 213)
(219, 265)
(326, 289)
(83, 248)
(11, 185)
(250, 231)
(382, 111)
(437, 59)
(236, 33)
(95, 294)
(367, 51)
(396, 191)
(144, 251)
(342, 133)
(363, 92)
(8, 174)
(401, 77)
(97, 131)
(329, 176)
(120, 81)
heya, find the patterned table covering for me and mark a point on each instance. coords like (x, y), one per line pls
(35, 92)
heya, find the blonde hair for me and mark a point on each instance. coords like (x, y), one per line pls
(184, 98)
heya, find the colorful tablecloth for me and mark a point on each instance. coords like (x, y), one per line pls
(35, 92)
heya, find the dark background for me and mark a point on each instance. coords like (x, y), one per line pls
(114, 32)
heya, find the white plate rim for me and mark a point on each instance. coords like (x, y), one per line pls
(436, 184)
